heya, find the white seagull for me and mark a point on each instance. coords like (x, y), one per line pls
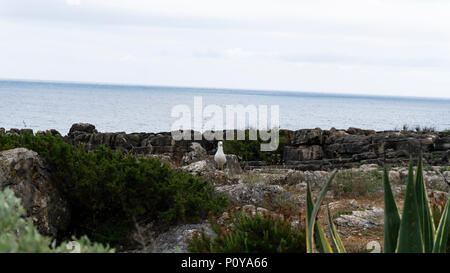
(220, 157)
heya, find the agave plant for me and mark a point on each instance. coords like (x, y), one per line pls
(314, 231)
(414, 232)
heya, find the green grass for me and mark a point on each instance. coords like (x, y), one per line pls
(107, 189)
(349, 183)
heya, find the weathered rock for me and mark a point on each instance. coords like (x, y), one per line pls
(394, 177)
(175, 239)
(357, 131)
(435, 181)
(369, 167)
(438, 199)
(255, 194)
(293, 177)
(2, 131)
(51, 132)
(249, 210)
(233, 167)
(207, 169)
(313, 152)
(83, 128)
(24, 172)
(13, 131)
(442, 143)
(26, 132)
(308, 137)
(365, 219)
(197, 153)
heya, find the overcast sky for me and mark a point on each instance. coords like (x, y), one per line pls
(381, 47)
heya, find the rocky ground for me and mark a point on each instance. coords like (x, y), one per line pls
(357, 207)
(355, 198)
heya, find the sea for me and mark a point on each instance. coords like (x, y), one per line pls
(131, 108)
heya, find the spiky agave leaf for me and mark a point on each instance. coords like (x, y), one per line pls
(311, 223)
(425, 218)
(440, 242)
(410, 236)
(323, 245)
(338, 246)
(391, 217)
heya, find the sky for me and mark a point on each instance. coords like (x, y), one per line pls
(367, 47)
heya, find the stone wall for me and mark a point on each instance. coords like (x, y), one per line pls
(306, 149)
(325, 149)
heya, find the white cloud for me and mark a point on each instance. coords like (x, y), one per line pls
(73, 2)
(128, 58)
(238, 53)
(372, 46)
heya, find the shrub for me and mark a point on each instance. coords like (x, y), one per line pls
(250, 150)
(250, 234)
(18, 235)
(106, 189)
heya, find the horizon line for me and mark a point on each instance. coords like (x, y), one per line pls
(271, 91)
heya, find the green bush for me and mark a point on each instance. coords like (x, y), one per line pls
(18, 235)
(250, 150)
(445, 133)
(107, 189)
(250, 234)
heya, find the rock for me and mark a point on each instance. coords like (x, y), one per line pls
(267, 176)
(438, 199)
(232, 167)
(357, 131)
(24, 172)
(2, 131)
(197, 153)
(313, 152)
(13, 131)
(442, 143)
(366, 219)
(207, 169)
(317, 179)
(435, 181)
(394, 177)
(249, 210)
(83, 128)
(121, 143)
(255, 194)
(175, 239)
(369, 167)
(26, 132)
(51, 132)
(308, 137)
(162, 140)
(198, 168)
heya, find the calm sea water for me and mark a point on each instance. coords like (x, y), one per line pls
(113, 108)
